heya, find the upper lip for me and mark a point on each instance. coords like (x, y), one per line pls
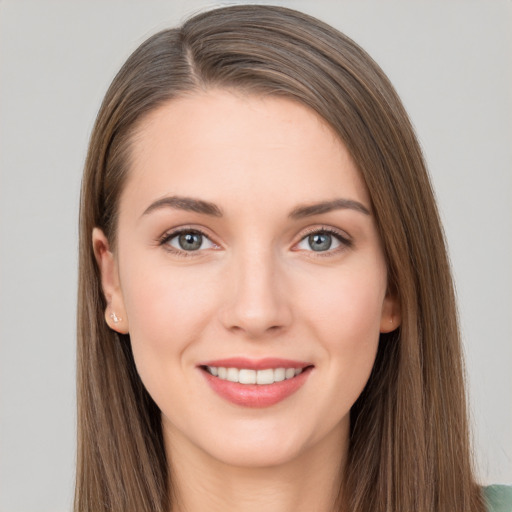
(256, 364)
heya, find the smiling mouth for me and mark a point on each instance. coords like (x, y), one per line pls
(249, 376)
(255, 382)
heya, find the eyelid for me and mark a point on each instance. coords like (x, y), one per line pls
(341, 236)
(174, 232)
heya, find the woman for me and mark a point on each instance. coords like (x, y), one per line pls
(266, 313)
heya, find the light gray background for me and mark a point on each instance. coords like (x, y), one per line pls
(451, 63)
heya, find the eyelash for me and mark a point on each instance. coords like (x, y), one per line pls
(345, 242)
(169, 235)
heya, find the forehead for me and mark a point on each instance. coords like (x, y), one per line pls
(228, 145)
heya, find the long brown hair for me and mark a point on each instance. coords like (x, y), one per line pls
(409, 441)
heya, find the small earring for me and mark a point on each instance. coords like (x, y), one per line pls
(115, 317)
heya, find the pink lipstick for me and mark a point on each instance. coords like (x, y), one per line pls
(255, 383)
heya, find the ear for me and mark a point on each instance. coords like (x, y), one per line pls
(391, 312)
(115, 313)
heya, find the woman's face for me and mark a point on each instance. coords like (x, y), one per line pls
(246, 242)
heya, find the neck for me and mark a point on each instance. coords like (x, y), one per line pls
(311, 481)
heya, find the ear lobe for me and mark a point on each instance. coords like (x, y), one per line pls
(115, 313)
(391, 317)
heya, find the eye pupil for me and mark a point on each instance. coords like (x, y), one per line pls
(320, 241)
(190, 241)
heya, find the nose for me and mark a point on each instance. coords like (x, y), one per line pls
(256, 302)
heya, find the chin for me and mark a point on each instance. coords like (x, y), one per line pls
(272, 444)
(244, 444)
(262, 455)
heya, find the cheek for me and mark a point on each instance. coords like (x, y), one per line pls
(345, 317)
(168, 309)
(347, 303)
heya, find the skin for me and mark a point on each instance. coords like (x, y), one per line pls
(255, 289)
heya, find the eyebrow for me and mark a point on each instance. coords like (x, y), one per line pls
(327, 206)
(191, 204)
(188, 204)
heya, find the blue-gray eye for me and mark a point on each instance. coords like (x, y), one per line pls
(320, 241)
(190, 241)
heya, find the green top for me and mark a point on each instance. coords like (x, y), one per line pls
(498, 498)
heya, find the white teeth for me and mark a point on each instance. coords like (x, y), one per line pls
(232, 374)
(246, 376)
(279, 374)
(265, 376)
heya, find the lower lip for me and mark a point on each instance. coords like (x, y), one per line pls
(256, 395)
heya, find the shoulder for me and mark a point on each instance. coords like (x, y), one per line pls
(498, 498)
